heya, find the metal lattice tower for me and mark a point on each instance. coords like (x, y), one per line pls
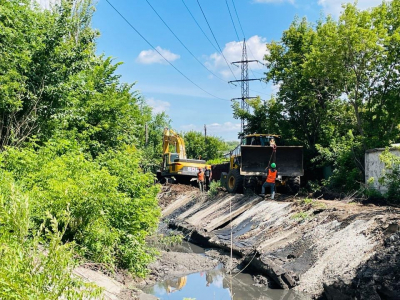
(244, 82)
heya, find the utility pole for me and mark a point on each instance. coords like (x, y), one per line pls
(244, 81)
(205, 133)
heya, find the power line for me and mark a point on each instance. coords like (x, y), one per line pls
(244, 36)
(215, 39)
(226, 1)
(184, 44)
(155, 49)
(259, 92)
(198, 25)
(237, 16)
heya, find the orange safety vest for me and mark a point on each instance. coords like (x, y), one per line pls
(271, 176)
(200, 176)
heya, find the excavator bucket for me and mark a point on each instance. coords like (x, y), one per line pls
(289, 160)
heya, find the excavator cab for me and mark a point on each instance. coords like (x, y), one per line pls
(168, 159)
(175, 164)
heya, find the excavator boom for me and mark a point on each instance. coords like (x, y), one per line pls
(170, 137)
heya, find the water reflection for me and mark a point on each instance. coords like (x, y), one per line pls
(215, 284)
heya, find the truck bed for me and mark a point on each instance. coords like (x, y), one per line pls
(289, 160)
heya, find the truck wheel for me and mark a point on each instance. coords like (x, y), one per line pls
(235, 181)
(293, 185)
(250, 185)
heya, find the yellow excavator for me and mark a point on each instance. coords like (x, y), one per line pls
(175, 165)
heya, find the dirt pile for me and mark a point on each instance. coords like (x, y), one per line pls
(170, 192)
(314, 246)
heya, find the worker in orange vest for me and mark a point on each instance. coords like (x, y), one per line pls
(272, 173)
(200, 179)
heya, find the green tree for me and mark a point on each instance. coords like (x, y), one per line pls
(73, 136)
(39, 52)
(265, 117)
(338, 91)
(197, 145)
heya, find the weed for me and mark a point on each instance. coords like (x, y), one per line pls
(165, 242)
(214, 188)
(307, 201)
(301, 216)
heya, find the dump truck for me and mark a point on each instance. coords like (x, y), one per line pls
(175, 165)
(255, 153)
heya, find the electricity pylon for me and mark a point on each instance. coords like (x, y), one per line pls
(244, 82)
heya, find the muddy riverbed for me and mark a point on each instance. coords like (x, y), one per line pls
(215, 283)
(326, 249)
(291, 248)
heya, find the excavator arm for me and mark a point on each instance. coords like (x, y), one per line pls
(172, 138)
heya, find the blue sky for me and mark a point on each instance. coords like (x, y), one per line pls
(163, 87)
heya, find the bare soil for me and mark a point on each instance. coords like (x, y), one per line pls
(170, 192)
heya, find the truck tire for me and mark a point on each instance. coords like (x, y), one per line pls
(293, 185)
(235, 181)
(250, 185)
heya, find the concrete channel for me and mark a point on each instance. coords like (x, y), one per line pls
(327, 249)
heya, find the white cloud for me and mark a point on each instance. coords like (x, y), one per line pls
(158, 105)
(334, 7)
(274, 1)
(256, 49)
(152, 57)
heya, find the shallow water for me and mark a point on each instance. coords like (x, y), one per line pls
(216, 284)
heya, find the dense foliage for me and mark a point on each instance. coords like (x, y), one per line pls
(391, 176)
(27, 270)
(74, 154)
(210, 148)
(338, 89)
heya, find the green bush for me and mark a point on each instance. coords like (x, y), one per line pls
(345, 155)
(391, 176)
(214, 185)
(34, 264)
(112, 203)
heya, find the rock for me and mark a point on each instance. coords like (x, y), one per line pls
(111, 287)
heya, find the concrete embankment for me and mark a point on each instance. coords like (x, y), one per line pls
(327, 249)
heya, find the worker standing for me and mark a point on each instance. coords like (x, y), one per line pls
(208, 175)
(272, 173)
(200, 179)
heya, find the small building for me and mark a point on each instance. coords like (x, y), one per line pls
(374, 166)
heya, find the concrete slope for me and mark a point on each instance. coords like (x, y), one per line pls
(308, 245)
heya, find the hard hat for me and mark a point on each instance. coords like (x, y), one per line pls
(273, 165)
